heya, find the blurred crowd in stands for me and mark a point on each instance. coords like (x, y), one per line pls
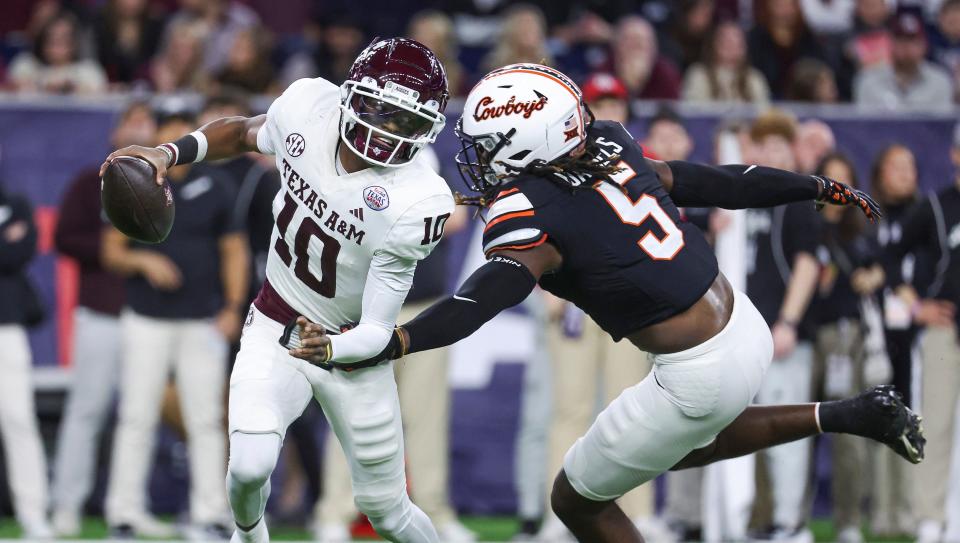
(880, 53)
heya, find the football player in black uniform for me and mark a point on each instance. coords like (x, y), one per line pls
(574, 206)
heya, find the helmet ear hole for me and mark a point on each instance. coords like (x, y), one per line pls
(521, 155)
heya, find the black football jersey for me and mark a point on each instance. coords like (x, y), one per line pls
(629, 261)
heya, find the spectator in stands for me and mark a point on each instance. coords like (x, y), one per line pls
(870, 42)
(334, 41)
(828, 16)
(849, 259)
(523, 38)
(686, 36)
(96, 331)
(894, 184)
(127, 36)
(607, 97)
(434, 29)
(813, 81)
(178, 67)
(814, 141)
(19, 308)
(866, 43)
(55, 65)
(222, 21)
(933, 227)
(638, 63)
(945, 42)
(908, 81)
(185, 298)
(780, 39)
(248, 67)
(781, 279)
(724, 73)
(667, 137)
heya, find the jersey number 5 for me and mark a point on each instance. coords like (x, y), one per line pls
(635, 212)
(326, 285)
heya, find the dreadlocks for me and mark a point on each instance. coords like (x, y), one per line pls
(573, 170)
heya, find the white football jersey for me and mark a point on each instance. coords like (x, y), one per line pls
(328, 227)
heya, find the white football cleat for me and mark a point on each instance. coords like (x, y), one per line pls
(332, 533)
(455, 532)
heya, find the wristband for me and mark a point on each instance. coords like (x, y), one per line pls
(186, 150)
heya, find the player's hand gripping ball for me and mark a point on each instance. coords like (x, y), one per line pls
(136, 199)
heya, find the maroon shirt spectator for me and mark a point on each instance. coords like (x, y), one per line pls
(81, 223)
(637, 62)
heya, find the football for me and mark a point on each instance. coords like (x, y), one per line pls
(133, 201)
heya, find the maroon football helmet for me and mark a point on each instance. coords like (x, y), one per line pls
(393, 101)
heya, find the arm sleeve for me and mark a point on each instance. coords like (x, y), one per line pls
(499, 284)
(389, 280)
(512, 224)
(738, 186)
(16, 255)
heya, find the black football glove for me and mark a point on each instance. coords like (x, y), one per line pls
(836, 193)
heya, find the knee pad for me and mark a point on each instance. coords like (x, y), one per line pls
(375, 437)
(252, 418)
(252, 457)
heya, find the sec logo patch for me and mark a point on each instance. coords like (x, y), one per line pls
(376, 198)
(295, 144)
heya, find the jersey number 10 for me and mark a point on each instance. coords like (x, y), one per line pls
(326, 284)
(635, 212)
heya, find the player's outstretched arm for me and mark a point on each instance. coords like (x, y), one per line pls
(503, 282)
(741, 186)
(222, 138)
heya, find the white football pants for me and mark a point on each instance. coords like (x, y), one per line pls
(269, 389)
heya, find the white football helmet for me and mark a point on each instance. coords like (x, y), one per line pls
(514, 117)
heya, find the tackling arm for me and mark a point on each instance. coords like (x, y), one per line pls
(503, 282)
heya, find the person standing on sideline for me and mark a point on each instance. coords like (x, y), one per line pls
(781, 278)
(184, 302)
(96, 342)
(933, 226)
(19, 308)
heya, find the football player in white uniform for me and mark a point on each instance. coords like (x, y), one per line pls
(357, 210)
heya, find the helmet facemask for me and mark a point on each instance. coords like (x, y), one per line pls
(386, 126)
(474, 159)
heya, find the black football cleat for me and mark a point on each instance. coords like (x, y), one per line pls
(889, 421)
